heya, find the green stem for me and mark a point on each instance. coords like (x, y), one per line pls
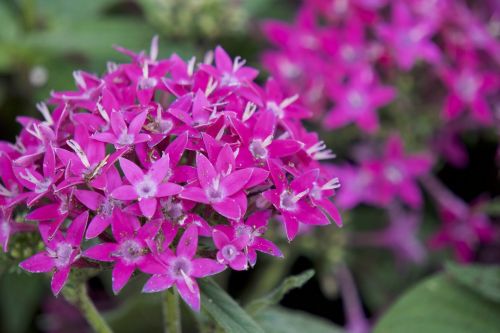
(171, 311)
(79, 297)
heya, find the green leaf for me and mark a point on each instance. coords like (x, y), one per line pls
(57, 8)
(225, 311)
(441, 305)
(493, 207)
(142, 313)
(275, 296)
(482, 279)
(21, 296)
(281, 320)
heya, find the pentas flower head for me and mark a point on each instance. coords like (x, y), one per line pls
(155, 153)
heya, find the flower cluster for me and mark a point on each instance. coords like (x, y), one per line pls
(360, 59)
(164, 166)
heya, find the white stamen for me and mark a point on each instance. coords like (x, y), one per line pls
(250, 109)
(289, 101)
(80, 81)
(44, 110)
(79, 152)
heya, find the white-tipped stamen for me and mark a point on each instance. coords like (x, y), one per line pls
(79, 152)
(44, 110)
(250, 109)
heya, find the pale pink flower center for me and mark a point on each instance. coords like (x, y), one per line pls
(278, 110)
(258, 149)
(287, 201)
(356, 99)
(130, 251)
(180, 267)
(63, 254)
(147, 188)
(214, 192)
(467, 87)
(229, 252)
(393, 174)
(125, 138)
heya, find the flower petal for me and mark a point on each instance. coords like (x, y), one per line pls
(38, 263)
(120, 275)
(157, 283)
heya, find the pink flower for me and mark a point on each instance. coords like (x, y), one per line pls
(121, 135)
(61, 253)
(251, 232)
(221, 186)
(410, 40)
(182, 269)
(357, 102)
(469, 88)
(130, 250)
(291, 200)
(146, 188)
(397, 173)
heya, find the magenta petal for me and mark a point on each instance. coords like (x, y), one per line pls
(266, 246)
(189, 242)
(195, 194)
(101, 252)
(59, 279)
(291, 226)
(90, 199)
(77, 229)
(206, 171)
(220, 238)
(157, 283)
(148, 206)
(44, 213)
(125, 192)
(190, 292)
(225, 160)
(280, 148)
(222, 60)
(236, 181)
(137, 122)
(132, 172)
(331, 210)
(97, 226)
(228, 208)
(168, 189)
(38, 263)
(239, 263)
(120, 275)
(159, 169)
(205, 267)
(118, 124)
(123, 225)
(104, 137)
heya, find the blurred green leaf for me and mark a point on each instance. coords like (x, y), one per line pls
(225, 311)
(441, 305)
(482, 279)
(141, 313)
(275, 296)
(21, 296)
(493, 207)
(281, 320)
(10, 27)
(93, 38)
(55, 9)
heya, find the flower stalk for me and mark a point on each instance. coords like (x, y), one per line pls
(78, 296)
(171, 311)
